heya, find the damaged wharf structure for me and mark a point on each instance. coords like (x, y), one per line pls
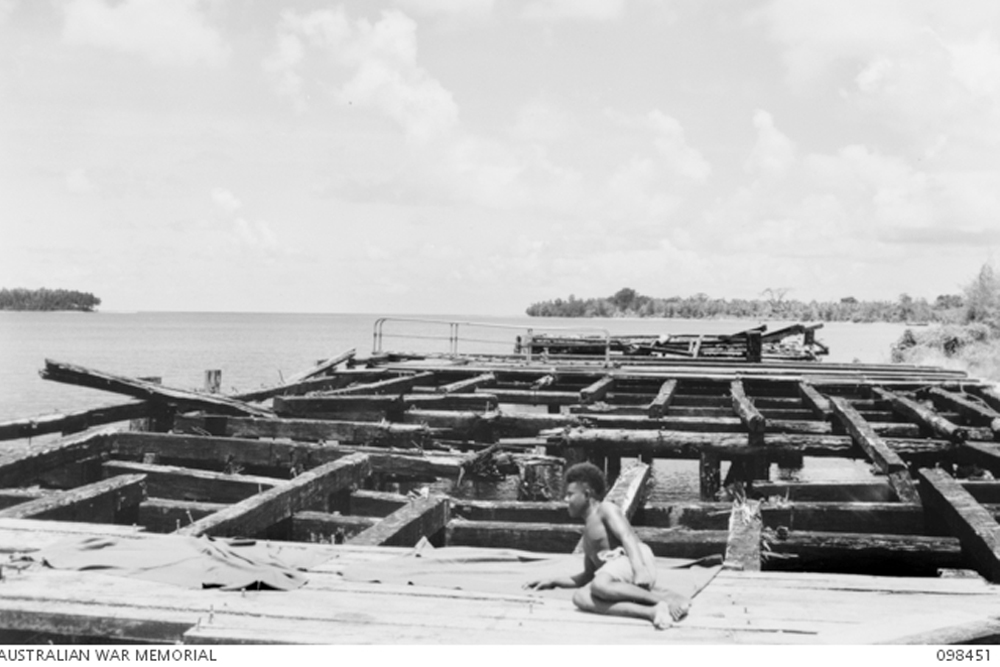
(386, 461)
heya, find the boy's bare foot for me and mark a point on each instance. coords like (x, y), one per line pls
(663, 617)
(678, 605)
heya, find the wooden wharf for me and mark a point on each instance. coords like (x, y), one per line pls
(361, 460)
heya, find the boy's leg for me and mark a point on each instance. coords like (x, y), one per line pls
(606, 587)
(659, 614)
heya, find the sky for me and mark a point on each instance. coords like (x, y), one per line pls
(477, 156)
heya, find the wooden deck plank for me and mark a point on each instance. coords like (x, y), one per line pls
(252, 515)
(971, 522)
(179, 483)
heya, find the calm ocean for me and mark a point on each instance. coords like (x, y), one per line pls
(259, 349)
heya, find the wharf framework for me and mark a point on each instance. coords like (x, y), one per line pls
(360, 459)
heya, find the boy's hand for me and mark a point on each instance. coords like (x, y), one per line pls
(540, 585)
(643, 577)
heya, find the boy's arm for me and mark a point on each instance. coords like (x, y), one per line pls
(617, 525)
(576, 581)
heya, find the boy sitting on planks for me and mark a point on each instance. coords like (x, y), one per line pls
(619, 571)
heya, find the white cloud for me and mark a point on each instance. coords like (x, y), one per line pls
(773, 152)
(374, 65)
(590, 10)
(171, 32)
(680, 158)
(6, 9)
(226, 200)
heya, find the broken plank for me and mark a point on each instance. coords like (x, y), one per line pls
(24, 468)
(975, 527)
(744, 408)
(424, 517)
(113, 500)
(661, 402)
(324, 366)
(258, 513)
(970, 409)
(319, 384)
(177, 483)
(816, 402)
(927, 418)
(86, 377)
(597, 390)
(391, 386)
(161, 515)
(469, 384)
(72, 422)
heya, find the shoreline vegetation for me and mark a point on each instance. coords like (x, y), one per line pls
(45, 299)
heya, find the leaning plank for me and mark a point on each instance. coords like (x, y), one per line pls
(78, 375)
(744, 409)
(324, 383)
(72, 422)
(323, 367)
(469, 384)
(888, 461)
(394, 386)
(662, 400)
(101, 502)
(176, 483)
(975, 527)
(26, 467)
(597, 390)
(255, 514)
(913, 410)
(403, 528)
(628, 492)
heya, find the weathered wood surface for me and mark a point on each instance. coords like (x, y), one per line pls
(975, 527)
(392, 407)
(178, 483)
(339, 380)
(112, 500)
(324, 367)
(983, 454)
(918, 413)
(745, 409)
(314, 430)
(72, 422)
(160, 515)
(391, 386)
(86, 377)
(467, 385)
(970, 409)
(250, 516)
(597, 390)
(26, 467)
(658, 406)
(308, 526)
(887, 461)
(424, 517)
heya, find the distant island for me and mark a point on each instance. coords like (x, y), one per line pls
(47, 299)
(626, 302)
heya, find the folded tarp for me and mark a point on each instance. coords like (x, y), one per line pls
(191, 562)
(505, 571)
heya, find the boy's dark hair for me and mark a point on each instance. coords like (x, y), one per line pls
(589, 474)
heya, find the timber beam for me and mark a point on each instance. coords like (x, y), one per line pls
(745, 409)
(887, 461)
(72, 422)
(469, 384)
(424, 517)
(662, 400)
(392, 386)
(313, 430)
(316, 384)
(114, 500)
(26, 467)
(975, 527)
(970, 409)
(391, 407)
(816, 402)
(597, 390)
(160, 515)
(253, 515)
(912, 410)
(177, 483)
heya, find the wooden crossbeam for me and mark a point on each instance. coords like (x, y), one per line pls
(744, 409)
(983, 454)
(661, 402)
(970, 409)
(423, 517)
(816, 402)
(321, 526)
(177, 483)
(72, 422)
(86, 377)
(255, 514)
(391, 406)
(597, 390)
(25, 467)
(107, 501)
(322, 383)
(160, 515)
(470, 384)
(394, 386)
(975, 527)
(887, 461)
(375, 433)
(927, 418)
(323, 367)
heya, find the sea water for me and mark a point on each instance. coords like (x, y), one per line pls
(261, 349)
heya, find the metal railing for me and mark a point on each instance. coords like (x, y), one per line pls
(457, 334)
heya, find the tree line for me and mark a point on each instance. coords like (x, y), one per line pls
(627, 302)
(47, 299)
